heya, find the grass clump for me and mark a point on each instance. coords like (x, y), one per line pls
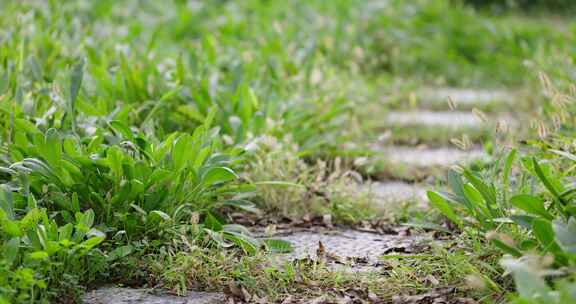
(250, 278)
(527, 211)
(289, 186)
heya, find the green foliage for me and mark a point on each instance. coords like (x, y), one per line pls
(136, 189)
(134, 126)
(446, 42)
(549, 219)
(127, 128)
(38, 254)
(527, 211)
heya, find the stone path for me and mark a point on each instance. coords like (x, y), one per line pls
(397, 167)
(347, 244)
(352, 250)
(400, 166)
(416, 163)
(113, 295)
(429, 119)
(464, 98)
(388, 194)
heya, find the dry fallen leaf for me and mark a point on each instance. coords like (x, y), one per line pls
(321, 251)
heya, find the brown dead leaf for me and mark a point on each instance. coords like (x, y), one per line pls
(321, 251)
(234, 291)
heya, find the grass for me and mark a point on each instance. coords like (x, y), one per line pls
(525, 210)
(290, 187)
(258, 277)
(132, 134)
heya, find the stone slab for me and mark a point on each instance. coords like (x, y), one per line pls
(465, 97)
(347, 244)
(412, 163)
(426, 157)
(424, 118)
(115, 295)
(394, 192)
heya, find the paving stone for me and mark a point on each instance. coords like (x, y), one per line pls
(412, 163)
(114, 295)
(464, 98)
(438, 157)
(349, 244)
(445, 120)
(435, 128)
(393, 192)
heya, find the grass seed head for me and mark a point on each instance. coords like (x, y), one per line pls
(480, 114)
(451, 103)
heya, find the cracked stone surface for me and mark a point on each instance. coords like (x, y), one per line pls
(450, 120)
(465, 97)
(348, 244)
(387, 193)
(114, 295)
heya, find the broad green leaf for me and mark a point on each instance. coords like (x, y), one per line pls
(242, 204)
(92, 242)
(442, 205)
(87, 218)
(31, 219)
(474, 196)
(167, 96)
(210, 117)
(566, 234)
(65, 232)
(247, 243)
(25, 125)
(38, 255)
(544, 233)
(93, 232)
(52, 147)
(212, 223)
(201, 157)
(531, 204)
(158, 216)
(247, 104)
(544, 179)
(6, 203)
(10, 250)
(114, 157)
(218, 237)
(208, 48)
(488, 192)
(507, 168)
(181, 152)
(32, 203)
(529, 283)
(120, 128)
(75, 203)
(76, 76)
(11, 228)
(120, 252)
(216, 175)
